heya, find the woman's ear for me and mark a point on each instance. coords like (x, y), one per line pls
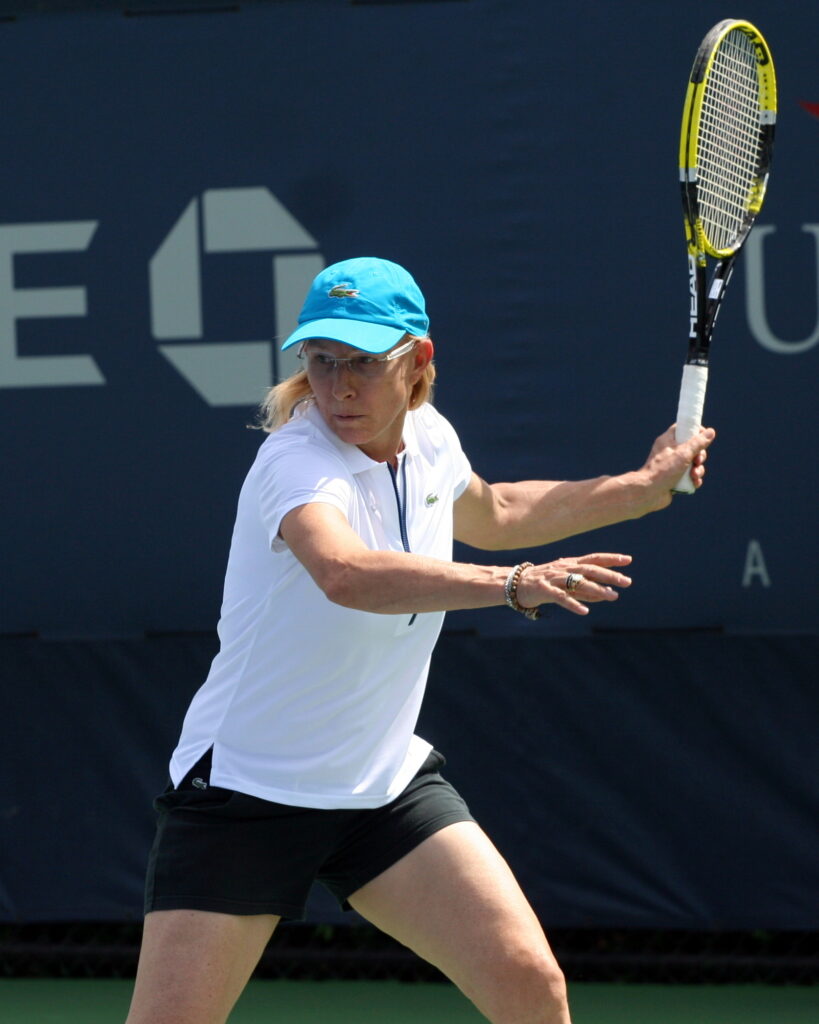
(426, 350)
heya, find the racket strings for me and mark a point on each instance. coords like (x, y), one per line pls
(729, 142)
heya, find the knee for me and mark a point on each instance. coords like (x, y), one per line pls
(530, 989)
(556, 995)
(549, 1002)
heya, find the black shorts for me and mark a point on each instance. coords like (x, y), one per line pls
(219, 850)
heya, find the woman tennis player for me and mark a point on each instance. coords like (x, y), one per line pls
(298, 759)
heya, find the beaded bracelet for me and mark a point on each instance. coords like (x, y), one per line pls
(510, 589)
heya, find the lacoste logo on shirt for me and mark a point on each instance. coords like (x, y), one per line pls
(430, 500)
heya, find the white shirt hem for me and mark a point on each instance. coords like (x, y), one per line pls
(330, 801)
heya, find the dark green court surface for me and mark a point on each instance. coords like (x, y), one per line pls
(72, 1001)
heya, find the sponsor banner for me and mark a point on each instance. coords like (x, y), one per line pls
(174, 182)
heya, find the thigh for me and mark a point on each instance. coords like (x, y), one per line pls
(230, 853)
(194, 965)
(371, 840)
(455, 902)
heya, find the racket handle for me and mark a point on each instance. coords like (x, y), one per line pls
(689, 414)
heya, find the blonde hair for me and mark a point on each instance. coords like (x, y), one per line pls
(281, 400)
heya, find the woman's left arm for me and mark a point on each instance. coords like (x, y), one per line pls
(506, 516)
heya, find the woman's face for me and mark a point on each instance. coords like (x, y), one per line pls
(364, 403)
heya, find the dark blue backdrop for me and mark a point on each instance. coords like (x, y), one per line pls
(169, 186)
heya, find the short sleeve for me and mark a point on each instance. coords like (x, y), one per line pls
(463, 473)
(461, 468)
(293, 474)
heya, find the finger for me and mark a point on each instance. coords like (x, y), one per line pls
(573, 601)
(571, 604)
(586, 593)
(700, 441)
(602, 574)
(553, 591)
(591, 583)
(603, 558)
(592, 590)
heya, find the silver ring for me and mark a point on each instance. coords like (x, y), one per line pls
(573, 581)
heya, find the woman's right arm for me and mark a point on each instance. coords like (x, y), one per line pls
(397, 582)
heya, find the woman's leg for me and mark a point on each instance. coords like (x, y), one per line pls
(194, 965)
(455, 902)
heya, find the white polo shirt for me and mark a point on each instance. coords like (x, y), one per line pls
(309, 703)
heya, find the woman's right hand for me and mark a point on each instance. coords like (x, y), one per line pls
(556, 582)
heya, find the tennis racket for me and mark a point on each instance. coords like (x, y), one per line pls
(726, 143)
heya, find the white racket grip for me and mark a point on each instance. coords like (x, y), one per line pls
(689, 414)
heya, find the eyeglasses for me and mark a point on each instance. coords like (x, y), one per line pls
(322, 364)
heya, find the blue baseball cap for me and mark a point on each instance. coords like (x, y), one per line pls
(366, 302)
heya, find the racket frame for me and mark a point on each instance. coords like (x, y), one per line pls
(705, 300)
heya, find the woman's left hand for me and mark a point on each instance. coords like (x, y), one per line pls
(667, 461)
